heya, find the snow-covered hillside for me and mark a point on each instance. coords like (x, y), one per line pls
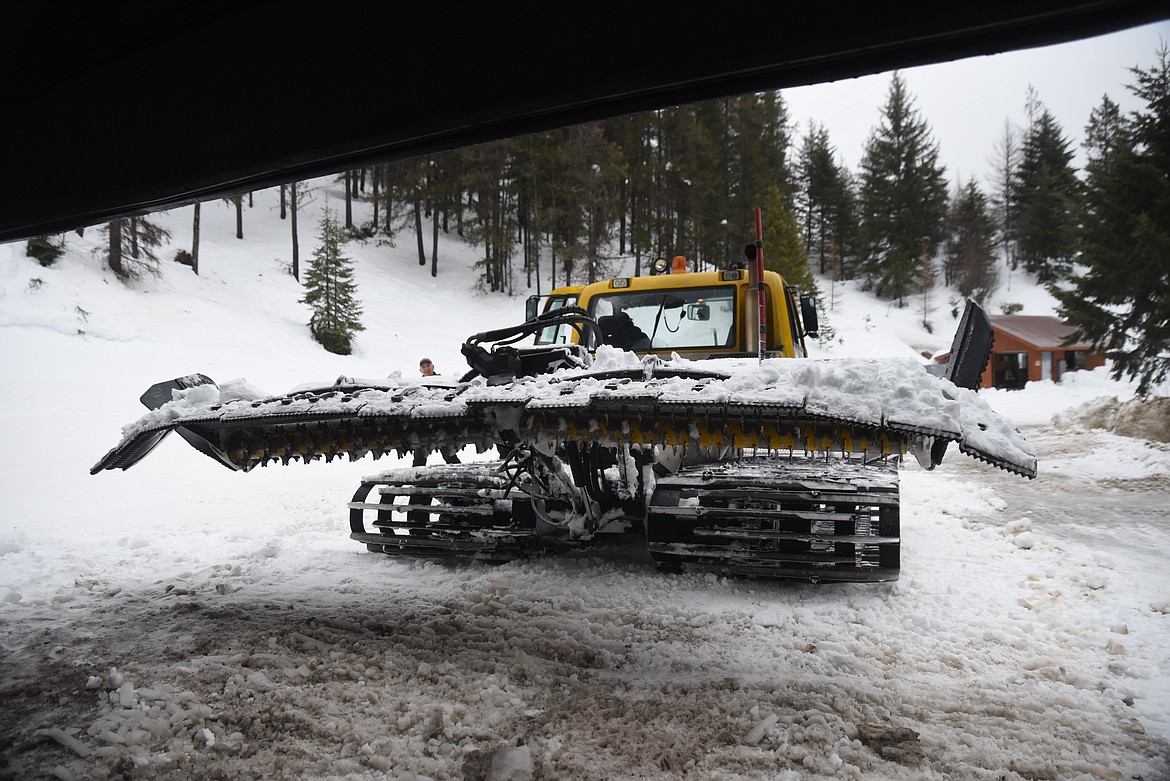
(178, 620)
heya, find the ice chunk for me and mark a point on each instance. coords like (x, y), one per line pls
(66, 740)
(761, 729)
(511, 764)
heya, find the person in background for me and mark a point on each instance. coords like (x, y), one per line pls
(426, 368)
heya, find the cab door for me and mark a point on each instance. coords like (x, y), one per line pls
(557, 334)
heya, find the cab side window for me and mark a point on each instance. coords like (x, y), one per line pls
(556, 334)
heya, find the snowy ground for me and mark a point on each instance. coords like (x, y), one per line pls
(181, 621)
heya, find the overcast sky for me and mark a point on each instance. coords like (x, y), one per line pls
(968, 102)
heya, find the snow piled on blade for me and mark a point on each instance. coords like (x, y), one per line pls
(989, 434)
(240, 390)
(894, 394)
(609, 358)
(185, 405)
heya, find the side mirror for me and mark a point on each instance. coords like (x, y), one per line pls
(808, 314)
(531, 308)
(698, 311)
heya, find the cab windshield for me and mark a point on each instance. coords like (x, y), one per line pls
(698, 318)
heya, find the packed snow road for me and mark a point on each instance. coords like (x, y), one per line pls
(1026, 639)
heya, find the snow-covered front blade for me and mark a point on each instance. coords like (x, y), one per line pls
(851, 407)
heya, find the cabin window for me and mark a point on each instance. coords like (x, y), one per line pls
(1010, 370)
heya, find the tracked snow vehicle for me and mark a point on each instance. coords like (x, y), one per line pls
(633, 406)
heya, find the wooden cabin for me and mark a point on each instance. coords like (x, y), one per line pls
(1031, 348)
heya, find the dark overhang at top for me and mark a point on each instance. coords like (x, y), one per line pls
(118, 109)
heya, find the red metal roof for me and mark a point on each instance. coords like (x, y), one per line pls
(1039, 331)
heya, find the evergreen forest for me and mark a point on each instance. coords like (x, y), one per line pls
(581, 203)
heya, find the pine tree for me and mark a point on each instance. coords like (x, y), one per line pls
(969, 260)
(826, 204)
(632, 135)
(114, 253)
(1007, 153)
(926, 276)
(1121, 301)
(705, 169)
(46, 249)
(843, 215)
(329, 290)
(1045, 195)
(759, 167)
(784, 250)
(598, 194)
(685, 147)
(492, 182)
(561, 220)
(903, 196)
(815, 171)
(138, 235)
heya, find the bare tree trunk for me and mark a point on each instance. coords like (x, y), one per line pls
(525, 242)
(195, 241)
(283, 204)
(296, 250)
(622, 218)
(488, 264)
(388, 191)
(824, 239)
(115, 256)
(422, 255)
(134, 238)
(636, 247)
(552, 271)
(239, 200)
(374, 183)
(435, 243)
(349, 200)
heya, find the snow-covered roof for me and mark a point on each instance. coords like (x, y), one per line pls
(1039, 331)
